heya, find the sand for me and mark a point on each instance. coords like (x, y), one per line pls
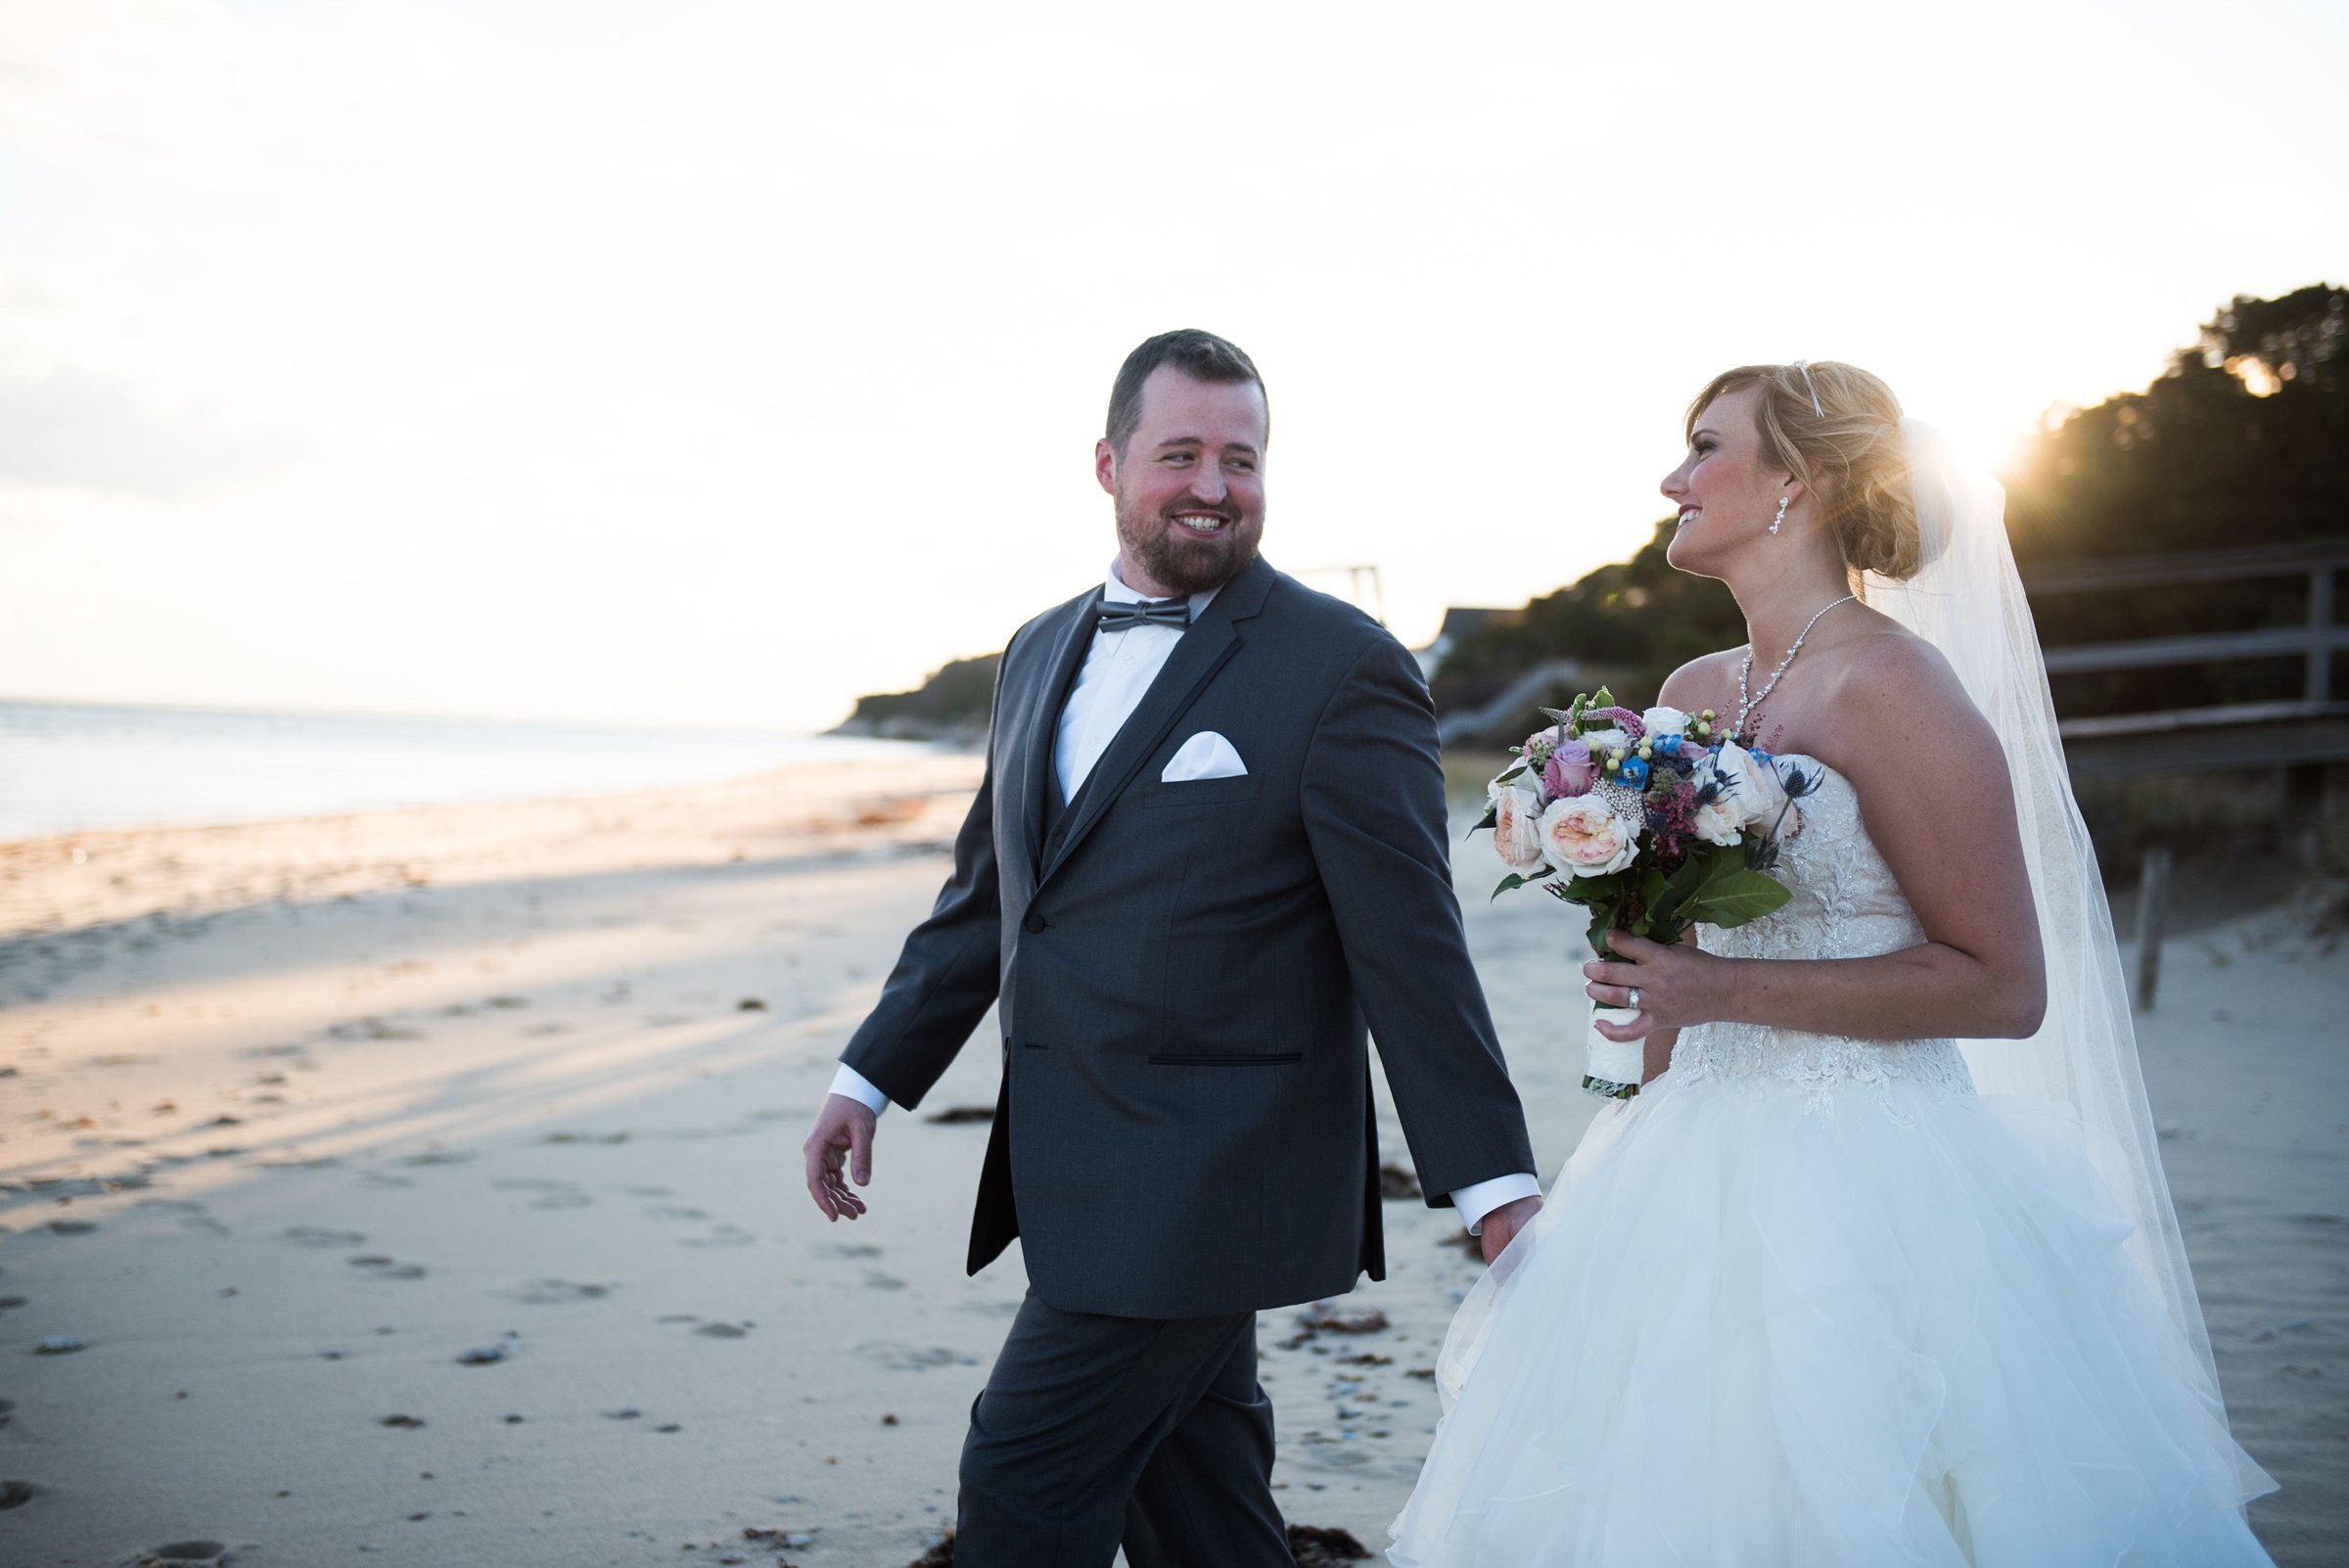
(299, 1117)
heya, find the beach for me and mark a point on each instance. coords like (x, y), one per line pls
(424, 1186)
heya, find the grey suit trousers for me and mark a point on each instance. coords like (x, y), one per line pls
(1094, 1431)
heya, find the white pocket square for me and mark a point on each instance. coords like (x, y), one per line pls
(1206, 754)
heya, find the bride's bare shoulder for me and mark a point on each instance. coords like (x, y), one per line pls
(1889, 676)
(1709, 680)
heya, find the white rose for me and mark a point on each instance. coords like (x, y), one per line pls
(1516, 825)
(1752, 786)
(1717, 822)
(1666, 721)
(1585, 835)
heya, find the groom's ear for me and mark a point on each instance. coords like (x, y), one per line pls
(1105, 465)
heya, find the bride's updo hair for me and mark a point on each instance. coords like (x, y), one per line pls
(1848, 452)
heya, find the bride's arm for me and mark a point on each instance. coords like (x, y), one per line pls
(1934, 792)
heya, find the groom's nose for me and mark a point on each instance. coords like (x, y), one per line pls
(1206, 484)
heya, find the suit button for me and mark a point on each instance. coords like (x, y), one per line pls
(1035, 923)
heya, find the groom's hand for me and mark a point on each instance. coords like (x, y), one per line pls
(843, 1136)
(1502, 1225)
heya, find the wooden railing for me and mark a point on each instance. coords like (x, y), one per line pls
(2312, 727)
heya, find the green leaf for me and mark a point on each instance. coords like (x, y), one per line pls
(1601, 922)
(1736, 897)
(1511, 773)
(1519, 879)
(1671, 901)
(1492, 814)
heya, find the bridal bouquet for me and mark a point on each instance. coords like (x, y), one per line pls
(1653, 822)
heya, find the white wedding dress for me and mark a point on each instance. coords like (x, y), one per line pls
(1813, 1303)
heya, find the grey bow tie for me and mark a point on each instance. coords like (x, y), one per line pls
(1175, 613)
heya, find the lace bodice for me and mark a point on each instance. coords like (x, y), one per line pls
(1846, 905)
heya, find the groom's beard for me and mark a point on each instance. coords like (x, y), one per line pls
(1189, 566)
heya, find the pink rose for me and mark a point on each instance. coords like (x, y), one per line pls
(1583, 835)
(1569, 770)
(1516, 827)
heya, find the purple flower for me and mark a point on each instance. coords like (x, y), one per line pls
(1625, 719)
(1569, 770)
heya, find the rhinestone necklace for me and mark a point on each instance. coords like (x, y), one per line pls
(1746, 705)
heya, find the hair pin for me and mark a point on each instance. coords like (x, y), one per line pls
(1804, 365)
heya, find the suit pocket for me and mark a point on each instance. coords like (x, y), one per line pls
(1229, 1059)
(1202, 791)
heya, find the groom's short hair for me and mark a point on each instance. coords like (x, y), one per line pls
(1200, 356)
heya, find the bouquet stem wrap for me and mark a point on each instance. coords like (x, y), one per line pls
(1614, 1068)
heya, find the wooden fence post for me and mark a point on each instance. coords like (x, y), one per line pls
(2152, 920)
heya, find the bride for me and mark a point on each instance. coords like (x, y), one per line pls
(1880, 1266)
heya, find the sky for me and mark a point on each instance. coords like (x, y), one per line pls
(713, 363)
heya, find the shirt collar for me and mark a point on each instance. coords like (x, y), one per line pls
(1115, 592)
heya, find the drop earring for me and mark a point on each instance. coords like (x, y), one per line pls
(1781, 518)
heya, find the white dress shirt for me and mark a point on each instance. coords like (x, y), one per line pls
(1118, 669)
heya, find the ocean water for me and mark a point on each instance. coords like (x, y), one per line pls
(66, 767)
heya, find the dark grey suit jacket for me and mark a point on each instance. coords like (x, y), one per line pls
(1185, 970)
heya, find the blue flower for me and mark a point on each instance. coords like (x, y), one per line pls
(1665, 744)
(1634, 773)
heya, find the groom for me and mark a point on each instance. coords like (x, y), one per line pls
(1209, 849)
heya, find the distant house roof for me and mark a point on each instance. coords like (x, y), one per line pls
(1458, 621)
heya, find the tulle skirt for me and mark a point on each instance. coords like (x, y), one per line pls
(1750, 1329)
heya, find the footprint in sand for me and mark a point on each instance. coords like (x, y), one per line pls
(187, 1554)
(551, 1194)
(895, 1357)
(437, 1157)
(714, 1328)
(324, 1236)
(556, 1292)
(383, 1267)
(372, 1028)
(675, 1211)
(720, 1235)
(845, 1249)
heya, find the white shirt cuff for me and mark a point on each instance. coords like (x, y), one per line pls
(854, 1086)
(1481, 1198)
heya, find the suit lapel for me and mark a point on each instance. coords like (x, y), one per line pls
(1205, 648)
(1070, 642)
